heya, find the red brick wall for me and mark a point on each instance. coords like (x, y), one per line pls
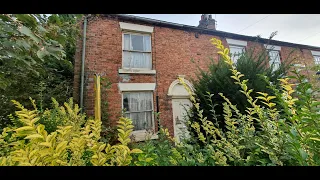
(172, 51)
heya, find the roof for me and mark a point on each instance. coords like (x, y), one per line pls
(211, 32)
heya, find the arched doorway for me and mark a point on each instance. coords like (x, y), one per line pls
(180, 105)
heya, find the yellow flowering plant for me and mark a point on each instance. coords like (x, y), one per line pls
(32, 145)
(276, 141)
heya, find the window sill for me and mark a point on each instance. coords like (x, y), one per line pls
(299, 65)
(142, 135)
(136, 71)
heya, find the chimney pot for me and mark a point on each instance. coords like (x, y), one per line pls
(207, 22)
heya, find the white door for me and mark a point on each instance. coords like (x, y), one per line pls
(180, 108)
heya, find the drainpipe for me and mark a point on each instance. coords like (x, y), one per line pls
(82, 61)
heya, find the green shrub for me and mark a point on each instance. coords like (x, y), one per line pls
(289, 139)
(155, 152)
(292, 139)
(71, 144)
(37, 56)
(218, 79)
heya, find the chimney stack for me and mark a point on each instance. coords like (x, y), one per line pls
(207, 22)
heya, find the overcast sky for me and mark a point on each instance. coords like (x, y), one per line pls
(295, 28)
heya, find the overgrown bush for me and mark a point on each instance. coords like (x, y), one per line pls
(36, 59)
(291, 139)
(155, 152)
(72, 144)
(218, 79)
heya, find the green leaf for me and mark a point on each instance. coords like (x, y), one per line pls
(4, 18)
(25, 128)
(24, 44)
(61, 146)
(293, 132)
(42, 53)
(34, 136)
(42, 29)
(26, 31)
(45, 144)
(136, 151)
(303, 154)
(316, 139)
(27, 19)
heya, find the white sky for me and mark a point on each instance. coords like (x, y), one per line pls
(295, 28)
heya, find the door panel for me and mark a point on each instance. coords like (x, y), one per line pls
(180, 108)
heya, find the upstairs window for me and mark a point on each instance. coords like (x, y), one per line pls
(316, 60)
(136, 51)
(237, 48)
(274, 59)
(236, 52)
(316, 57)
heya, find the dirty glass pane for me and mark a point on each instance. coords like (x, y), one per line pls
(126, 45)
(127, 59)
(139, 109)
(137, 42)
(147, 43)
(235, 52)
(126, 101)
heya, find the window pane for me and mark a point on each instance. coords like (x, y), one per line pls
(148, 60)
(235, 52)
(274, 59)
(316, 59)
(147, 43)
(137, 42)
(127, 59)
(139, 101)
(141, 60)
(139, 120)
(145, 101)
(134, 102)
(149, 124)
(138, 60)
(127, 115)
(136, 121)
(126, 41)
(126, 101)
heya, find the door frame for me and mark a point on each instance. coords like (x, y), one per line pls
(174, 95)
(173, 118)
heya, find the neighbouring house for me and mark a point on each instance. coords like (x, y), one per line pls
(143, 58)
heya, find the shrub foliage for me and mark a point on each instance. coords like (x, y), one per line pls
(288, 135)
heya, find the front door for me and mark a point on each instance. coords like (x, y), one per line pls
(180, 108)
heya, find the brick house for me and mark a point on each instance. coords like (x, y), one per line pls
(143, 57)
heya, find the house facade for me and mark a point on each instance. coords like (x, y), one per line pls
(143, 58)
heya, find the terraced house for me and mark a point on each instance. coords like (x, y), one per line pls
(144, 57)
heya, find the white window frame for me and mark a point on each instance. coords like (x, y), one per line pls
(238, 44)
(316, 57)
(136, 27)
(140, 135)
(136, 70)
(273, 48)
(237, 56)
(273, 59)
(316, 60)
